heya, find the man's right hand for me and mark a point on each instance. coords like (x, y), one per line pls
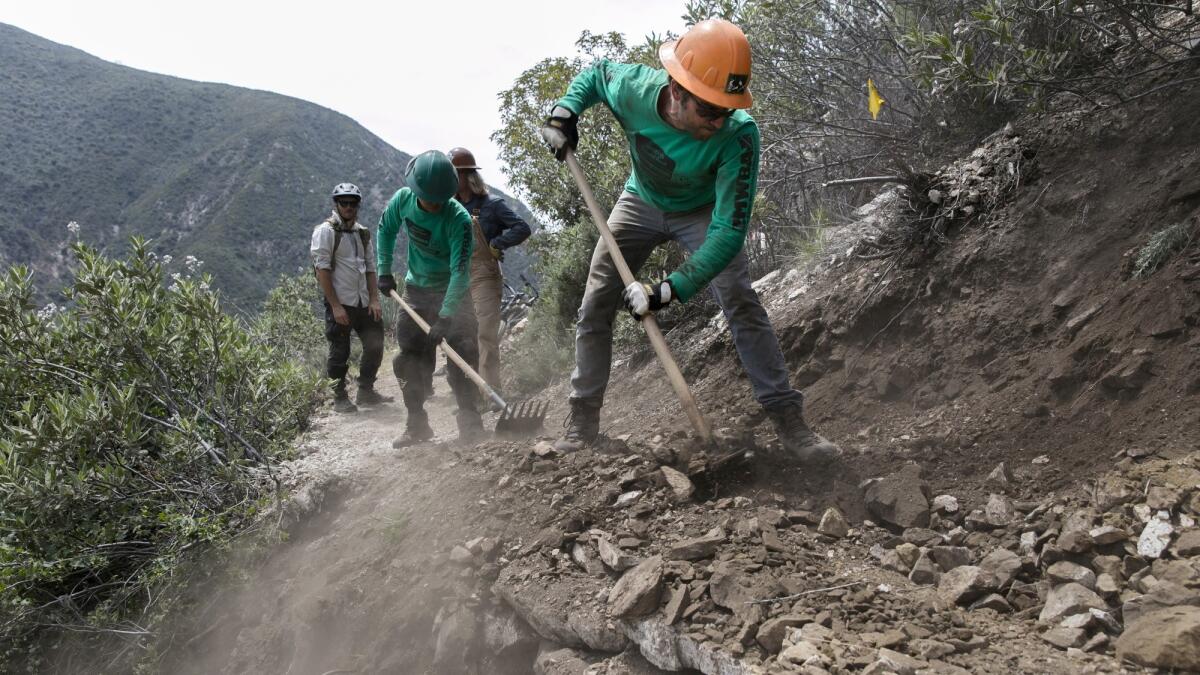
(560, 132)
(340, 316)
(386, 284)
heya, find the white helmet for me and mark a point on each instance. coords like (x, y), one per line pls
(347, 190)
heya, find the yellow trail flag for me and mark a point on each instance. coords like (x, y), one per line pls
(874, 100)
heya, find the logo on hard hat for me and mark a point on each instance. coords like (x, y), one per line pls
(736, 84)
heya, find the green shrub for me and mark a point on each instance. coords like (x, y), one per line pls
(292, 321)
(139, 422)
(1162, 245)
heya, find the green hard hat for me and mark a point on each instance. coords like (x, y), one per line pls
(431, 176)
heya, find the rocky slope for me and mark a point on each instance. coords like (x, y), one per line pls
(1018, 493)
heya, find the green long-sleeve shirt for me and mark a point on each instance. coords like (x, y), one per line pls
(439, 246)
(673, 171)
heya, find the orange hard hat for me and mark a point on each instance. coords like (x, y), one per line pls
(712, 62)
(462, 158)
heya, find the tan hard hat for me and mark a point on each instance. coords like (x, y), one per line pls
(712, 62)
(462, 159)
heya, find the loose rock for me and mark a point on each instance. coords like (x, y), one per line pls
(945, 504)
(924, 571)
(833, 524)
(681, 486)
(1000, 478)
(638, 591)
(1188, 544)
(1168, 638)
(700, 547)
(949, 557)
(901, 498)
(1063, 572)
(613, 556)
(962, 585)
(1155, 537)
(1068, 599)
(770, 635)
(1065, 638)
(1002, 564)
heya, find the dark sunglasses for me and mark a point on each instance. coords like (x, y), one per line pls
(348, 203)
(711, 112)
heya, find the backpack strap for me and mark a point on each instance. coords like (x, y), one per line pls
(363, 234)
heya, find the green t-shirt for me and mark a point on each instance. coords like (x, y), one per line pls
(439, 246)
(673, 171)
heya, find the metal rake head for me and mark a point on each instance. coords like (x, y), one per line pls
(522, 418)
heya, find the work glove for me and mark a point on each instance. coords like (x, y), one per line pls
(386, 284)
(560, 132)
(642, 299)
(439, 329)
(497, 253)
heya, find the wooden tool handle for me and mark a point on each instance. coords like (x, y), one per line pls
(648, 322)
(449, 351)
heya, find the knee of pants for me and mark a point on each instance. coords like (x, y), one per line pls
(467, 346)
(339, 351)
(409, 367)
(740, 304)
(372, 341)
(596, 315)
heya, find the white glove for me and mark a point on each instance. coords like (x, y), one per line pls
(641, 299)
(560, 132)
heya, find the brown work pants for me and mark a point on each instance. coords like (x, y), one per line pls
(486, 284)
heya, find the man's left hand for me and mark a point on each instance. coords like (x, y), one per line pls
(497, 253)
(439, 329)
(374, 309)
(641, 299)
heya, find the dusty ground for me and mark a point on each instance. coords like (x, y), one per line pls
(362, 577)
(1023, 340)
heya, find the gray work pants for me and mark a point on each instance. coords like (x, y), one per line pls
(638, 227)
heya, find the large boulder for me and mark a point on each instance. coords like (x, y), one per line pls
(901, 498)
(1167, 638)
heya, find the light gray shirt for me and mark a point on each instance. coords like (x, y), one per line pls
(352, 263)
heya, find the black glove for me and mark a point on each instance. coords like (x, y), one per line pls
(439, 329)
(642, 299)
(560, 132)
(386, 284)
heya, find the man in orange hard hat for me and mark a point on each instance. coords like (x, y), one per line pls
(496, 229)
(695, 155)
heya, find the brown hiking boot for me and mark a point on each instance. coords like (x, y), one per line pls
(417, 430)
(583, 426)
(797, 438)
(368, 396)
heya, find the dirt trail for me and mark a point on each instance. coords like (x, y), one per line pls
(1020, 490)
(360, 581)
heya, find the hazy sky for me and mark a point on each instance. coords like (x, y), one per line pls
(419, 74)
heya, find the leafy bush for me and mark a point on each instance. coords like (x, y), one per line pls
(291, 322)
(139, 422)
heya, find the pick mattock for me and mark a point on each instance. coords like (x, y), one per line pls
(520, 419)
(648, 323)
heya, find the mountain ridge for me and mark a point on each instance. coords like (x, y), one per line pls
(235, 177)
